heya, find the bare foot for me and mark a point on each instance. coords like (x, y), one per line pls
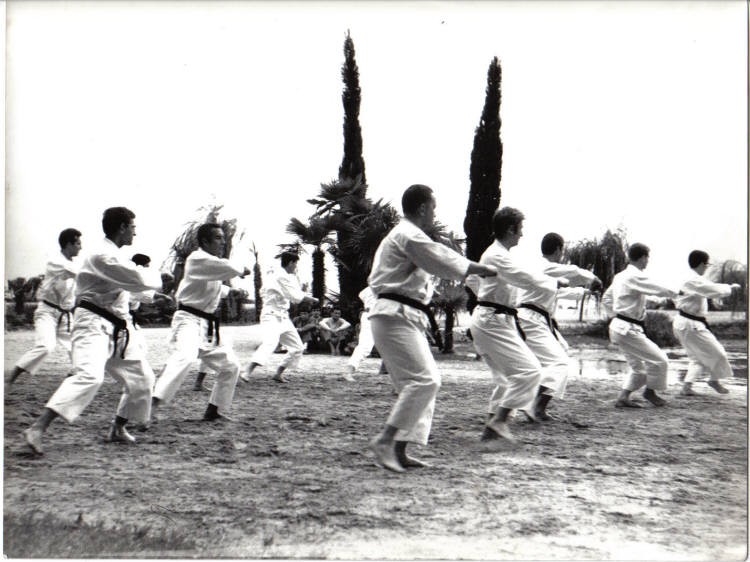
(34, 440)
(717, 386)
(652, 397)
(385, 456)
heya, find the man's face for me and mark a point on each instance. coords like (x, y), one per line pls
(291, 267)
(215, 243)
(336, 314)
(127, 233)
(72, 249)
(429, 211)
(515, 235)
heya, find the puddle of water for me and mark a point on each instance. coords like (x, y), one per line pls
(608, 363)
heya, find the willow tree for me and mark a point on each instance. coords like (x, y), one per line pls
(484, 172)
(605, 257)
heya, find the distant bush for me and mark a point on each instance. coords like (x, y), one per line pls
(659, 329)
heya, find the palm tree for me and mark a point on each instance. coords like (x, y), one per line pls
(187, 241)
(449, 298)
(316, 233)
(343, 204)
(257, 284)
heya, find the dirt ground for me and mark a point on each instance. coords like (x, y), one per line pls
(292, 476)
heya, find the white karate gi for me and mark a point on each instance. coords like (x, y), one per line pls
(705, 353)
(50, 324)
(105, 279)
(202, 289)
(547, 343)
(404, 263)
(627, 295)
(516, 371)
(280, 289)
(365, 342)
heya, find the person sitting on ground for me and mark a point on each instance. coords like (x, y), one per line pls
(307, 328)
(334, 330)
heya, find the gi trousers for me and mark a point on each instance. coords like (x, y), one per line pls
(364, 343)
(47, 335)
(550, 351)
(516, 372)
(278, 329)
(190, 342)
(705, 353)
(647, 361)
(92, 359)
(404, 348)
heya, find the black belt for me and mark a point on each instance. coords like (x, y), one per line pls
(424, 308)
(502, 309)
(66, 313)
(551, 322)
(118, 323)
(213, 320)
(700, 319)
(640, 323)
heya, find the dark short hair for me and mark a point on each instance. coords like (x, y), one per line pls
(697, 257)
(504, 219)
(68, 236)
(551, 242)
(141, 259)
(637, 251)
(288, 257)
(414, 196)
(204, 232)
(114, 218)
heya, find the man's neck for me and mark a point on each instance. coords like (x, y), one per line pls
(116, 241)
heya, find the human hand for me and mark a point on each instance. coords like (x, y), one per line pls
(562, 282)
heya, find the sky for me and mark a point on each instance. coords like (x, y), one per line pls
(615, 114)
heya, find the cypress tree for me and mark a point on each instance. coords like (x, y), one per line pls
(352, 164)
(484, 173)
(351, 171)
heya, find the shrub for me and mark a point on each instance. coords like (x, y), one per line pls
(659, 329)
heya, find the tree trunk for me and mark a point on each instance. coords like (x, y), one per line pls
(318, 274)
(450, 318)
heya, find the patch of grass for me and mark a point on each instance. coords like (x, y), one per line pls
(42, 535)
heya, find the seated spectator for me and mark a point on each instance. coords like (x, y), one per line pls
(334, 330)
(307, 328)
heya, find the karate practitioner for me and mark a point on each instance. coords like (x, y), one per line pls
(705, 353)
(195, 326)
(365, 342)
(52, 322)
(625, 299)
(401, 279)
(100, 336)
(536, 313)
(495, 325)
(280, 288)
